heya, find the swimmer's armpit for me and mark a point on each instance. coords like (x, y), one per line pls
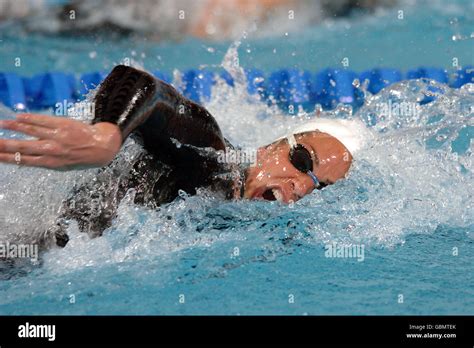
(60, 144)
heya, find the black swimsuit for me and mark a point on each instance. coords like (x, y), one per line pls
(180, 139)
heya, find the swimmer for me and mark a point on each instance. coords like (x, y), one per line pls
(182, 142)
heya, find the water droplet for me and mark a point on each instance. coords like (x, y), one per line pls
(19, 107)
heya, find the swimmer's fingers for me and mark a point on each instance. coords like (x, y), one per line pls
(25, 128)
(43, 120)
(31, 161)
(30, 147)
(63, 144)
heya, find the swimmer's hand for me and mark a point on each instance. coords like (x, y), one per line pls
(61, 144)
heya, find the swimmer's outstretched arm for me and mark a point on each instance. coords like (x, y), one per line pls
(173, 128)
(61, 144)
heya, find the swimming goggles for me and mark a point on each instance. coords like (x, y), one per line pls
(301, 159)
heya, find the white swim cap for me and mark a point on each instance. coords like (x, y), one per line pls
(351, 133)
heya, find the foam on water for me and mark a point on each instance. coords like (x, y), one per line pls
(30, 197)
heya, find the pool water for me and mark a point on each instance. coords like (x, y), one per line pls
(407, 200)
(431, 33)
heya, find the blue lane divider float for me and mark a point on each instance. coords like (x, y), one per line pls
(255, 81)
(298, 89)
(227, 77)
(380, 78)
(45, 90)
(333, 86)
(291, 89)
(198, 84)
(12, 91)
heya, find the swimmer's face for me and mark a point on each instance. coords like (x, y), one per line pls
(273, 177)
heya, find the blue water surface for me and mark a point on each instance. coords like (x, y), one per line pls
(199, 255)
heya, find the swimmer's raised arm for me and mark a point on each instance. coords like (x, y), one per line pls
(172, 127)
(61, 144)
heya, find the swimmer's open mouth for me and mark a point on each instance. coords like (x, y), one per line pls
(272, 194)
